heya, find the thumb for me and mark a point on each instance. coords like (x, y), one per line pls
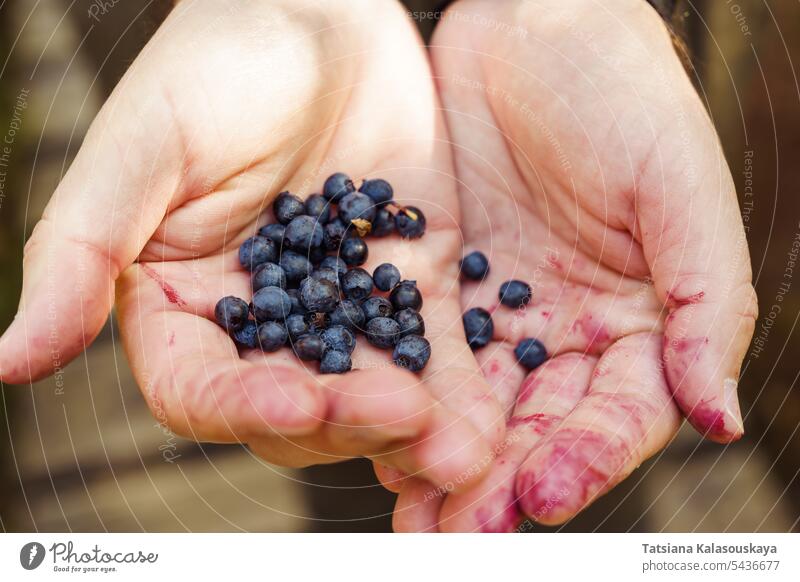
(108, 204)
(695, 244)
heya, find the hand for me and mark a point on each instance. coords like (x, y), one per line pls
(227, 106)
(588, 168)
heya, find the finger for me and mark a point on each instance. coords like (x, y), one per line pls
(627, 415)
(503, 373)
(417, 507)
(547, 395)
(391, 478)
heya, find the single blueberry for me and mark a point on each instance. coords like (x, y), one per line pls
(271, 303)
(410, 322)
(316, 255)
(296, 266)
(303, 233)
(272, 336)
(377, 307)
(273, 232)
(354, 251)
(334, 233)
(319, 208)
(339, 338)
(383, 225)
(410, 222)
(319, 295)
(349, 314)
(231, 313)
(475, 266)
(296, 326)
(386, 276)
(405, 294)
(356, 205)
(382, 332)
(327, 274)
(287, 206)
(268, 275)
(357, 284)
(515, 293)
(530, 353)
(412, 353)
(335, 362)
(247, 337)
(297, 305)
(256, 251)
(309, 347)
(379, 190)
(478, 327)
(334, 263)
(337, 186)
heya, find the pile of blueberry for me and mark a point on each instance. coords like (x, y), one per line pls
(309, 290)
(478, 324)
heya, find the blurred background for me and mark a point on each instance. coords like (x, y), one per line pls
(81, 452)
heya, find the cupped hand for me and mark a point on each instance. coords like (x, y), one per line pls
(588, 168)
(229, 104)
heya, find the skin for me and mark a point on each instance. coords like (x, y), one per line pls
(225, 108)
(585, 140)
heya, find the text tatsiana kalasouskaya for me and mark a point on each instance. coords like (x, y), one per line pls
(709, 549)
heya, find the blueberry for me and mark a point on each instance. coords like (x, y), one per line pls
(273, 232)
(309, 347)
(334, 263)
(412, 353)
(357, 284)
(256, 251)
(272, 336)
(334, 233)
(335, 362)
(316, 255)
(410, 222)
(337, 186)
(382, 332)
(317, 321)
(319, 295)
(475, 266)
(515, 293)
(271, 303)
(287, 206)
(356, 205)
(379, 190)
(296, 266)
(386, 276)
(406, 294)
(478, 327)
(302, 233)
(377, 307)
(410, 322)
(383, 225)
(349, 314)
(354, 251)
(297, 306)
(247, 337)
(318, 208)
(268, 275)
(231, 313)
(327, 274)
(530, 353)
(297, 326)
(339, 338)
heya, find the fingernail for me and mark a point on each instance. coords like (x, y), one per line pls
(732, 410)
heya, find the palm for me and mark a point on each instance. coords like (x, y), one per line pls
(226, 107)
(554, 150)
